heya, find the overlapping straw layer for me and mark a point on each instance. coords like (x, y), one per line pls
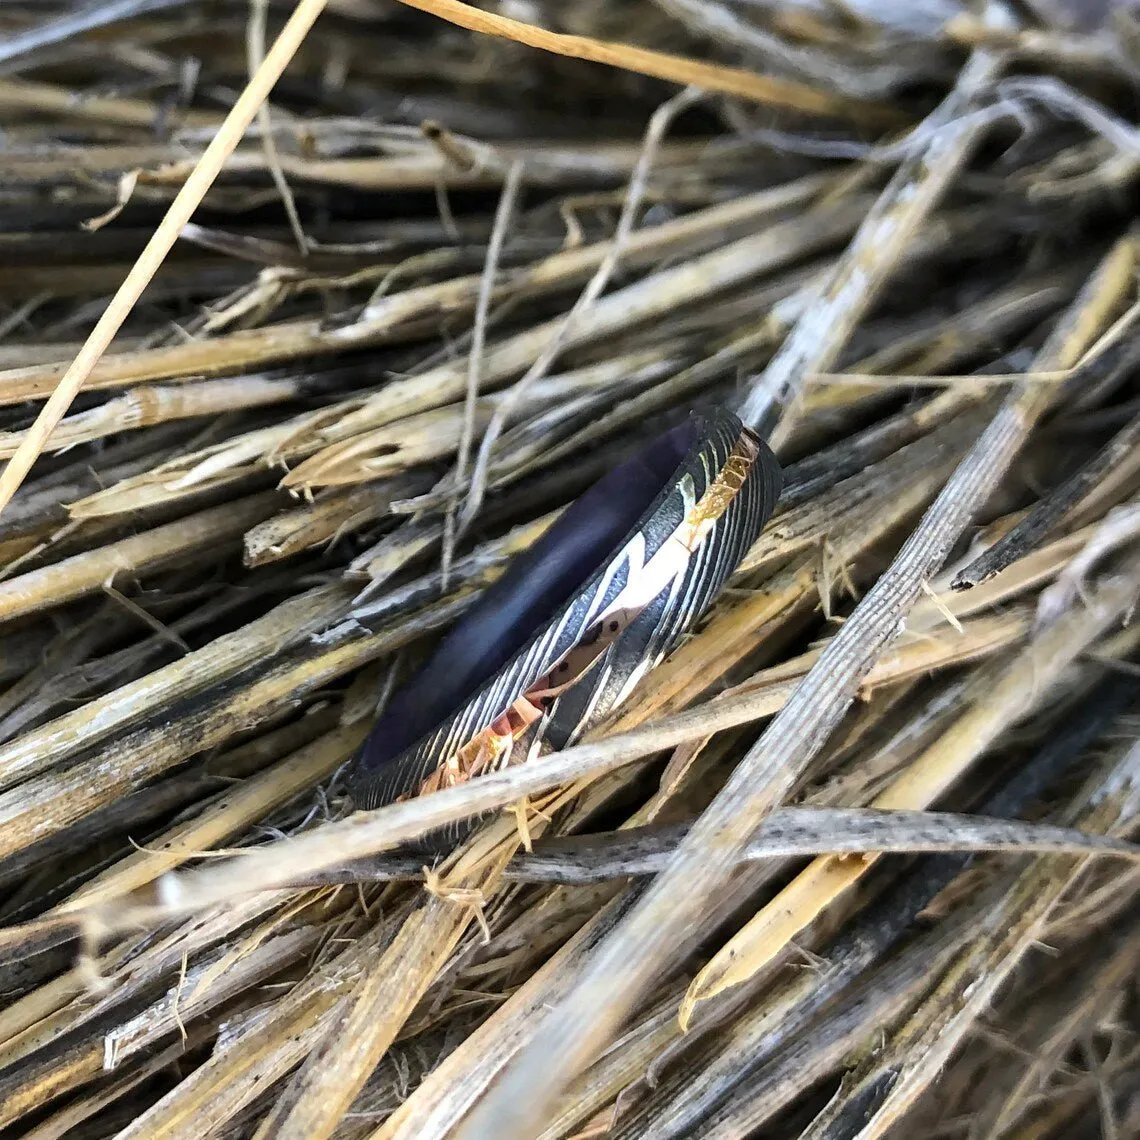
(858, 858)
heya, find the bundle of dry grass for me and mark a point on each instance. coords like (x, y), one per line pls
(856, 859)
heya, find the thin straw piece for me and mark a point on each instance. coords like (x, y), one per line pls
(575, 1032)
(81, 574)
(675, 68)
(367, 832)
(887, 231)
(181, 210)
(1019, 689)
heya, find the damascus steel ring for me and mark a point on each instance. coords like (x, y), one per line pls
(578, 618)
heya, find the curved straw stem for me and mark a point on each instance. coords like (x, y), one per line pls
(736, 81)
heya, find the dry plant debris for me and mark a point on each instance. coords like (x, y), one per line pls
(859, 858)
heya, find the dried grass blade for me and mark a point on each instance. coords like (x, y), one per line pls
(575, 1032)
(711, 77)
(1014, 692)
(185, 203)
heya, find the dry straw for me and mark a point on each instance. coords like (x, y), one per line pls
(798, 883)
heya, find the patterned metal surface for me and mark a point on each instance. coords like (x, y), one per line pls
(549, 684)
